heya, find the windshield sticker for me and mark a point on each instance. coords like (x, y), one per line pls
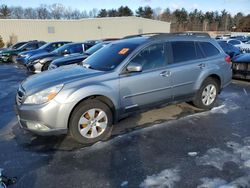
(123, 51)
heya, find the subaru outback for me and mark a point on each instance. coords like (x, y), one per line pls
(123, 77)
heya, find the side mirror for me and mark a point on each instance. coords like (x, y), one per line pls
(134, 67)
(65, 52)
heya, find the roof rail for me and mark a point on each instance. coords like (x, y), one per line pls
(197, 34)
(141, 35)
(156, 35)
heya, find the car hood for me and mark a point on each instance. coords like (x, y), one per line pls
(42, 56)
(62, 75)
(7, 51)
(64, 60)
(242, 58)
(33, 52)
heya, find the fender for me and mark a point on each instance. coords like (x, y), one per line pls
(209, 71)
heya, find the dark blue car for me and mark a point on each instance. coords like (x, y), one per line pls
(23, 57)
(240, 61)
(77, 58)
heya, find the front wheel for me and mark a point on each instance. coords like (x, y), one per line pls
(13, 59)
(46, 66)
(206, 96)
(91, 122)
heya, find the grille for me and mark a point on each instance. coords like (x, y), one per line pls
(20, 96)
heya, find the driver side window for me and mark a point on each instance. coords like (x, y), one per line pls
(151, 57)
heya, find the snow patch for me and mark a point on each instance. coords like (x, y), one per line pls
(125, 183)
(216, 157)
(243, 181)
(192, 154)
(212, 183)
(166, 178)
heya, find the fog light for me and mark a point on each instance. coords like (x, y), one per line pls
(36, 126)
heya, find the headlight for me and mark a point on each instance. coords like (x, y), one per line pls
(44, 95)
(34, 62)
(24, 55)
(42, 61)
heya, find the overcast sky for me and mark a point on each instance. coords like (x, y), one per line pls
(233, 6)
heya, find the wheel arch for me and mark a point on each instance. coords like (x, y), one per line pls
(214, 76)
(106, 100)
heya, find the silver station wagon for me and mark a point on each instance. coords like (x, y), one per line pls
(125, 76)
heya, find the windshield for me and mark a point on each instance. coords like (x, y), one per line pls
(17, 45)
(61, 49)
(95, 48)
(110, 56)
(45, 46)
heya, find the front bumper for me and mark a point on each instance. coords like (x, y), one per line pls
(46, 119)
(4, 59)
(36, 68)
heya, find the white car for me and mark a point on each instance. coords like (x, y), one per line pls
(244, 47)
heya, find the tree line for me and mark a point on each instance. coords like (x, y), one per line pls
(181, 19)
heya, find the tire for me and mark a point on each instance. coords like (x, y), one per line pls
(13, 59)
(208, 91)
(91, 132)
(46, 66)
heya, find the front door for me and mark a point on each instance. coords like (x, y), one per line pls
(149, 86)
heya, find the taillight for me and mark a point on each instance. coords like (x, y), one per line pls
(228, 59)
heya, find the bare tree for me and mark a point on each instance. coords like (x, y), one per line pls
(30, 13)
(57, 11)
(17, 12)
(43, 12)
(5, 12)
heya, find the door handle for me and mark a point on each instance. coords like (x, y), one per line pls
(202, 65)
(165, 74)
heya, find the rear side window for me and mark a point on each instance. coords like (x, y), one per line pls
(184, 51)
(32, 46)
(209, 49)
(77, 48)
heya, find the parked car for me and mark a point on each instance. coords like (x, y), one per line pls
(76, 58)
(241, 66)
(244, 47)
(229, 49)
(240, 61)
(14, 46)
(23, 57)
(223, 37)
(119, 79)
(241, 38)
(39, 63)
(11, 54)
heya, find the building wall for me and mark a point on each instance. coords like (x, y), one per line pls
(78, 30)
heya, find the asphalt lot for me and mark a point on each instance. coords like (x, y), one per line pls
(172, 146)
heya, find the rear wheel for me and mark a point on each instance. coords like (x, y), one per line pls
(91, 122)
(206, 96)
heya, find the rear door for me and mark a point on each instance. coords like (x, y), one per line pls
(186, 66)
